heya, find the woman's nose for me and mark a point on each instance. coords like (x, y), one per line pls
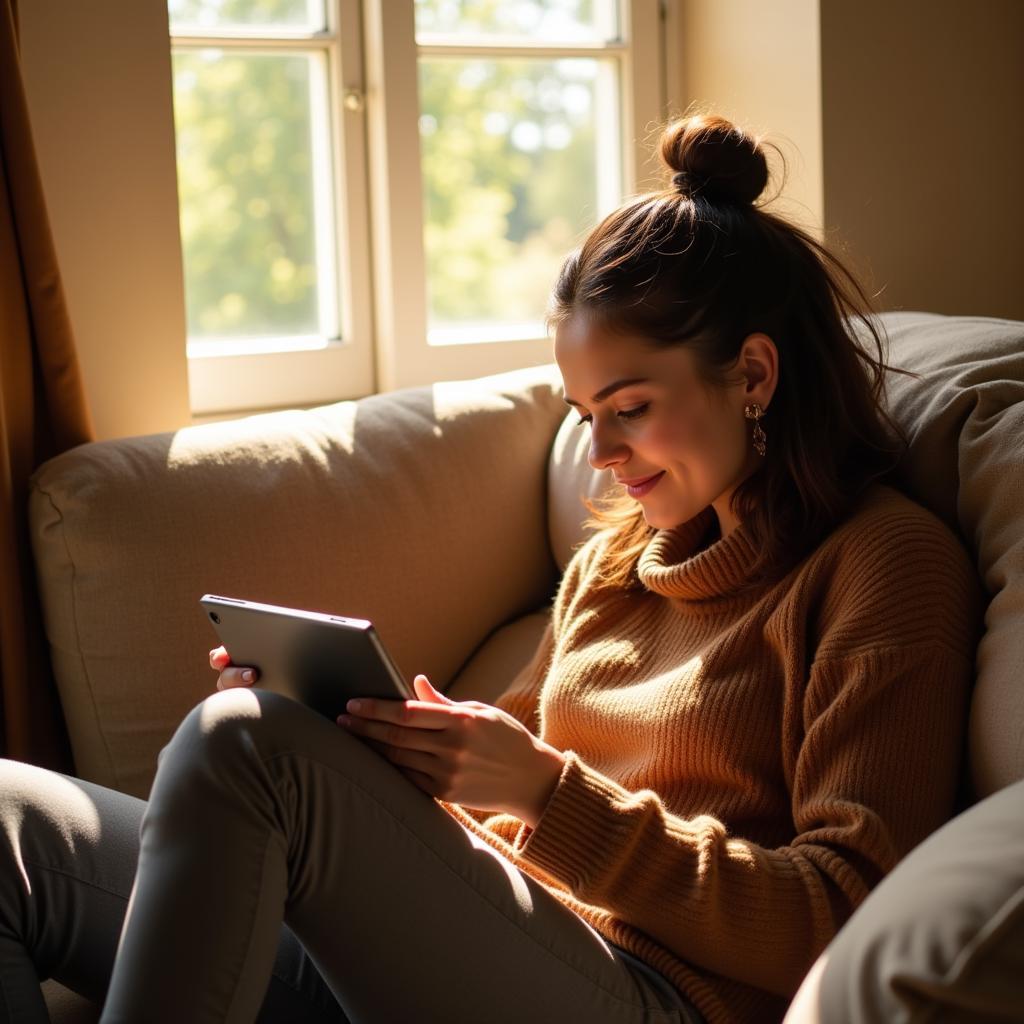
(606, 447)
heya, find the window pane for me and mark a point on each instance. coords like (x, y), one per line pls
(219, 15)
(250, 194)
(548, 20)
(519, 158)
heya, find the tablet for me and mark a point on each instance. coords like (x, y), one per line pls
(317, 659)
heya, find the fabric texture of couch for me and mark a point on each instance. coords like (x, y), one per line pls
(445, 514)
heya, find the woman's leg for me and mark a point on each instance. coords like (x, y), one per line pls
(263, 810)
(68, 851)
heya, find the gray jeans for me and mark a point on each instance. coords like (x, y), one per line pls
(288, 873)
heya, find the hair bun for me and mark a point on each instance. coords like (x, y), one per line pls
(714, 159)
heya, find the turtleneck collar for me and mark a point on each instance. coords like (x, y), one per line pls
(676, 562)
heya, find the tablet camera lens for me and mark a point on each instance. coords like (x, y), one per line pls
(215, 617)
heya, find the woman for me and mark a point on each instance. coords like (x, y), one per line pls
(748, 706)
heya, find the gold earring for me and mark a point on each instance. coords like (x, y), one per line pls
(755, 412)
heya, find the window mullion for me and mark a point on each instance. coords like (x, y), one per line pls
(352, 193)
(316, 41)
(396, 193)
(537, 51)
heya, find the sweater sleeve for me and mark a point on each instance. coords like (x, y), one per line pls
(874, 774)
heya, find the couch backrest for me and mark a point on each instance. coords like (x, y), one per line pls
(965, 422)
(423, 510)
(965, 418)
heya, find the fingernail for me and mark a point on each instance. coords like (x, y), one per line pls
(343, 720)
(354, 705)
(247, 675)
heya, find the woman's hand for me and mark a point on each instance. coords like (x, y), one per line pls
(464, 752)
(230, 675)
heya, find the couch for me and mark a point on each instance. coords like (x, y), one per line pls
(445, 514)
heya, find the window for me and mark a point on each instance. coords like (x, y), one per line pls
(347, 229)
(271, 186)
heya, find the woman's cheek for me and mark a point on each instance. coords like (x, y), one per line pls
(669, 440)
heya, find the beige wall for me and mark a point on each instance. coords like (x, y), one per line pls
(905, 118)
(757, 64)
(98, 80)
(899, 121)
(924, 149)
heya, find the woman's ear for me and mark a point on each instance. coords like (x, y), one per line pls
(758, 364)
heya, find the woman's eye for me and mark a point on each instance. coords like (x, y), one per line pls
(625, 414)
(635, 413)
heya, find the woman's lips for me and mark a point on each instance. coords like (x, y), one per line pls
(643, 486)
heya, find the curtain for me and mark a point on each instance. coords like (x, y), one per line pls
(42, 412)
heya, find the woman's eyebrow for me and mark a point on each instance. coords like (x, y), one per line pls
(608, 391)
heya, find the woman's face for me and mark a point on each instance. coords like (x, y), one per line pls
(675, 443)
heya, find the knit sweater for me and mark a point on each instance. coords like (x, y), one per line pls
(742, 768)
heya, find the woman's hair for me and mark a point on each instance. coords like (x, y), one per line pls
(703, 264)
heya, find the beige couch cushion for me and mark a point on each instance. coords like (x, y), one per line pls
(423, 510)
(966, 463)
(941, 938)
(965, 421)
(570, 480)
(500, 658)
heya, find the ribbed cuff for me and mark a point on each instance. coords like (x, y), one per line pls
(573, 836)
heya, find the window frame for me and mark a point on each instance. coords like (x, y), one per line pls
(373, 80)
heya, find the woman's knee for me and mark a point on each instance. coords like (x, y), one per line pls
(228, 728)
(34, 801)
(14, 795)
(28, 826)
(53, 820)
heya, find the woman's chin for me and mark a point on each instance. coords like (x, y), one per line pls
(659, 519)
(665, 518)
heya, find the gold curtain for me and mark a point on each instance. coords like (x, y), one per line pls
(42, 412)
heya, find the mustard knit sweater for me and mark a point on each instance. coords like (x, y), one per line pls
(742, 769)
